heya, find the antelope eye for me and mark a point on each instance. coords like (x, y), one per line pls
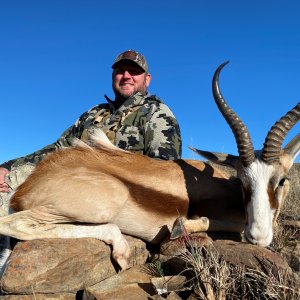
(282, 181)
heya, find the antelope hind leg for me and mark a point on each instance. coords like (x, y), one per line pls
(29, 225)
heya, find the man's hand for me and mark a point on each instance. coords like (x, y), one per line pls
(3, 185)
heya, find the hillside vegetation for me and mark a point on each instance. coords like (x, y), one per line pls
(292, 205)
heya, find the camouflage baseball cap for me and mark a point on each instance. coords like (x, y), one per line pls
(133, 56)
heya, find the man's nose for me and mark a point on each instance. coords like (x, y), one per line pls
(126, 74)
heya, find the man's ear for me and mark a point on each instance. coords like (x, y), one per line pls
(148, 78)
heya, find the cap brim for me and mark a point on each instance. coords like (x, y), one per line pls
(125, 60)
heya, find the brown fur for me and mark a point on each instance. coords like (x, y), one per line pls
(102, 185)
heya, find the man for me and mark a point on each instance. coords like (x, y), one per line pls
(134, 121)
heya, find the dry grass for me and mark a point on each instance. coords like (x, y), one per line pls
(214, 278)
(284, 235)
(291, 208)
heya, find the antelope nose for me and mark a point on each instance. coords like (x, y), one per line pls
(250, 238)
(263, 240)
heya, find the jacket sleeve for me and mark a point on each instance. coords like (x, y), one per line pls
(162, 135)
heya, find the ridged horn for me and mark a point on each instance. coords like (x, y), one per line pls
(240, 131)
(276, 135)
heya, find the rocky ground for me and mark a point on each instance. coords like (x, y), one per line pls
(83, 269)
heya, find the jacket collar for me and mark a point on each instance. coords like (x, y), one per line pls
(132, 101)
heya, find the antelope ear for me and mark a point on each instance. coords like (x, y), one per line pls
(218, 157)
(292, 149)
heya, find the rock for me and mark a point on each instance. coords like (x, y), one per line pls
(236, 253)
(173, 265)
(251, 256)
(56, 265)
(132, 284)
(139, 252)
(166, 284)
(63, 265)
(40, 297)
(173, 296)
(175, 247)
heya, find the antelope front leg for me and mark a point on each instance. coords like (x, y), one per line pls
(108, 233)
(29, 225)
(183, 226)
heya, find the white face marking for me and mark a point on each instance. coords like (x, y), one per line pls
(260, 215)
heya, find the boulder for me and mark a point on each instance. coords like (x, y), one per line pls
(67, 296)
(134, 283)
(236, 253)
(63, 265)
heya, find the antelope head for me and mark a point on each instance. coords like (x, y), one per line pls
(264, 174)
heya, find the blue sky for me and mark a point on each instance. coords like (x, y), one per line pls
(56, 56)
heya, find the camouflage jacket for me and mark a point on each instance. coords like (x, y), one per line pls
(142, 124)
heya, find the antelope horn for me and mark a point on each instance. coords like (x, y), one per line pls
(240, 131)
(276, 135)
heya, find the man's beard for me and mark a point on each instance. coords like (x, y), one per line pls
(120, 95)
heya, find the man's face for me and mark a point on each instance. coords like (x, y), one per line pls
(128, 79)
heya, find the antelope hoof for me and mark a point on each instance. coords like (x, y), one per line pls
(123, 262)
(178, 229)
(121, 254)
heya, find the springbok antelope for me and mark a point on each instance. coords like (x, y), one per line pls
(101, 191)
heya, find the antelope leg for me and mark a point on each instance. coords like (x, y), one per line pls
(184, 226)
(29, 225)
